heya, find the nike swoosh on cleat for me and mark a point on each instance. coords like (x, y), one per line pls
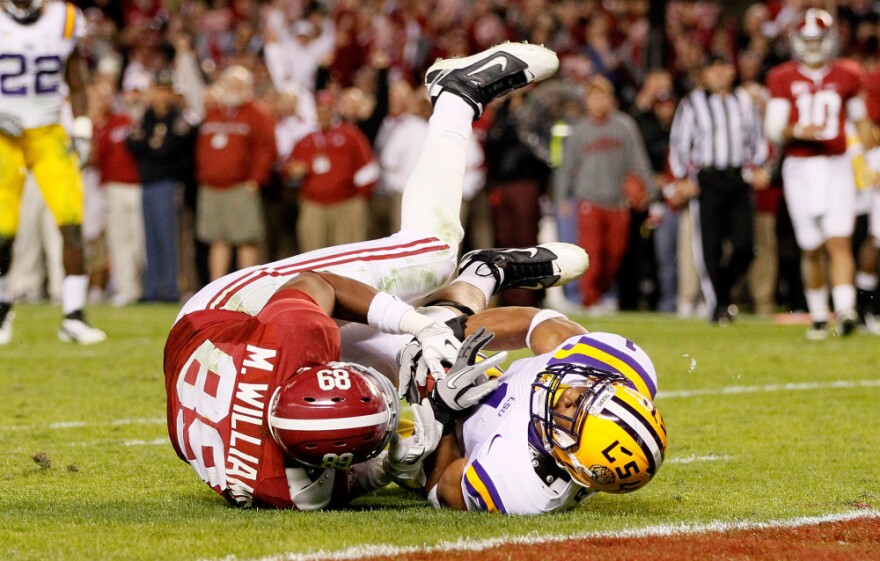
(498, 60)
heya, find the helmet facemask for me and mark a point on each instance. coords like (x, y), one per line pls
(813, 41)
(21, 12)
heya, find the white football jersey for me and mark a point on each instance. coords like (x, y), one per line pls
(33, 59)
(507, 468)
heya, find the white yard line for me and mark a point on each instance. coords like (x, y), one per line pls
(726, 390)
(790, 387)
(661, 530)
(694, 458)
(80, 424)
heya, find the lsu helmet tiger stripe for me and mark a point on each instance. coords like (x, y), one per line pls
(609, 437)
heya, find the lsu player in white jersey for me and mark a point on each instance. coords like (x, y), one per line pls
(39, 65)
(575, 420)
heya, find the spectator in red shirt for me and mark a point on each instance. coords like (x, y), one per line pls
(235, 153)
(336, 167)
(122, 186)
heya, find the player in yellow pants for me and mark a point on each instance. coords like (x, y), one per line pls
(32, 139)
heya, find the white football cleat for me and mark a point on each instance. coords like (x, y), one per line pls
(846, 323)
(480, 78)
(818, 331)
(542, 266)
(74, 329)
(6, 328)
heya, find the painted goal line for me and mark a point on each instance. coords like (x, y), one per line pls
(661, 530)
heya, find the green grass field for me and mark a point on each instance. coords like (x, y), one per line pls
(111, 487)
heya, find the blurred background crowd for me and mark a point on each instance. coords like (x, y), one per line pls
(314, 112)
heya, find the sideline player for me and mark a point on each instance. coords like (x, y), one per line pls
(812, 97)
(246, 335)
(39, 54)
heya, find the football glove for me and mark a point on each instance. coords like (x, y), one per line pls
(406, 455)
(412, 373)
(466, 383)
(81, 136)
(10, 125)
(439, 346)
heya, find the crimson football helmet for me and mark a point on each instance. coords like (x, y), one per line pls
(334, 415)
(614, 439)
(812, 37)
(23, 11)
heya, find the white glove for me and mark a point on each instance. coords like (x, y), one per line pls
(412, 373)
(81, 136)
(10, 125)
(466, 383)
(406, 455)
(439, 345)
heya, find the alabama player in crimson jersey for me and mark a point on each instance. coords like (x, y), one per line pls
(867, 255)
(812, 97)
(38, 54)
(241, 346)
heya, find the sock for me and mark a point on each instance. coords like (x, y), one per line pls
(452, 117)
(4, 281)
(844, 298)
(866, 286)
(73, 293)
(479, 274)
(817, 303)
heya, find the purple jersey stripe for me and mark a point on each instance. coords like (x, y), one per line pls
(487, 481)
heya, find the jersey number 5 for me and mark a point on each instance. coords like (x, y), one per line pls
(18, 78)
(822, 109)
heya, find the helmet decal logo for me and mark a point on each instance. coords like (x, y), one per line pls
(602, 474)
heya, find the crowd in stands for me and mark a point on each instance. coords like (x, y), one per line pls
(232, 132)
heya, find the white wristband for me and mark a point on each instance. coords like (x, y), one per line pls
(540, 318)
(386, 313)
(82, 127)
(872, 158)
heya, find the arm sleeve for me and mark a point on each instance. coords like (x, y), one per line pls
(681, 139)
(563, 177)
(367, 173)
(776, 118)
(758, 151)
(264, 150)
(639, 163)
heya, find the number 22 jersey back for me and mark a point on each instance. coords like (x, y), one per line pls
(817, 97)
(221, 369)
(33, 59)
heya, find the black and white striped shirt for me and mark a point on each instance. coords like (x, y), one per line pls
(717, 131)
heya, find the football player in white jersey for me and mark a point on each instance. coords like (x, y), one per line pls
(38, 58)
(572, 421)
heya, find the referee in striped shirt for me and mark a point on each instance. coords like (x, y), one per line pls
(717, 146)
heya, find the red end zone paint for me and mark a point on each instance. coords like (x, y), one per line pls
(853, 540)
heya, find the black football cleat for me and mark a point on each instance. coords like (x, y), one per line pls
(480, 78)
(538, 267)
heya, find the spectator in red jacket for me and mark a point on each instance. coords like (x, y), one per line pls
(235, 153)
(122, 185)
(337, 172)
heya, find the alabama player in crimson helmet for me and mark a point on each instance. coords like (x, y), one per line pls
(812, 98)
